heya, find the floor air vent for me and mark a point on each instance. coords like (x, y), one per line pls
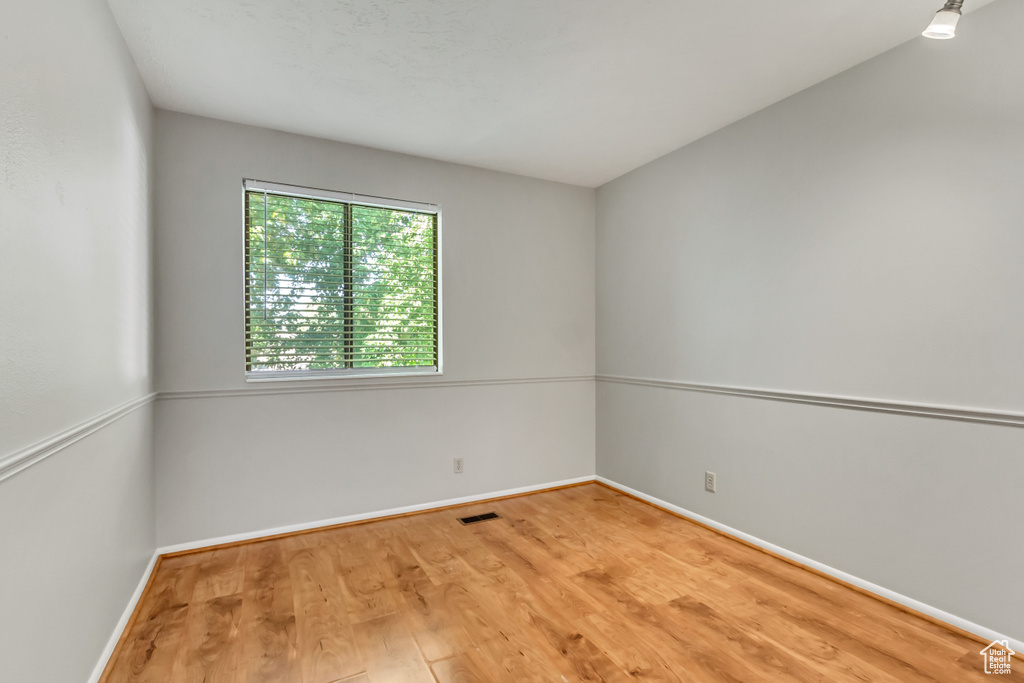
(479, 518)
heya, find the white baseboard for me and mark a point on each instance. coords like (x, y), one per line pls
(986, 633)
(123, 621)
(194, 545)
(250, 535)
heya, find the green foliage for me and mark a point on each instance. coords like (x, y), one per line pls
(334, 285)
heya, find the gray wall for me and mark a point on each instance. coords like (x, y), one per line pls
(862, 238)
(518, 274)
(76, 529)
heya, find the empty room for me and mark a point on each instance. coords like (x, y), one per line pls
(376, 341)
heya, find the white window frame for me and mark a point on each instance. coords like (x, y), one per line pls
(250, 185)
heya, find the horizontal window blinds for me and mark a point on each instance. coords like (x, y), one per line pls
(338, 286)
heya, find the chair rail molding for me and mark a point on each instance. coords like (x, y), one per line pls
(39, 451)
(941, 412)
(30, 455)
(318, 386)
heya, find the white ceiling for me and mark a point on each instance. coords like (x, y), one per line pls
(579, 91)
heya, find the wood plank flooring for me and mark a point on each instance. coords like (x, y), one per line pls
(578, 584)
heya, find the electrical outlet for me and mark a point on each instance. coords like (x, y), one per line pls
(458, 465)
(710, 483)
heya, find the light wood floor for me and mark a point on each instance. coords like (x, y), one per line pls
(579, 584)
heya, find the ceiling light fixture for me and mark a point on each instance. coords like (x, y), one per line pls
(943, 25)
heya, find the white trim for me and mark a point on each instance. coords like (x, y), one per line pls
(439, 298)
(943, 412)
(952, 619)
(256, 376)
(37, 452)
(986, 633)
(26, 457)
(363, 516)
(122, 623)
(357, 384)
(250, 185)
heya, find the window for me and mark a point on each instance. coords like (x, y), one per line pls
(338, 284)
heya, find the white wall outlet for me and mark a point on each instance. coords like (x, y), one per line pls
(458, 465)
(710, 482)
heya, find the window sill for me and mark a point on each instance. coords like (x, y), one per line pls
(314, 375)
